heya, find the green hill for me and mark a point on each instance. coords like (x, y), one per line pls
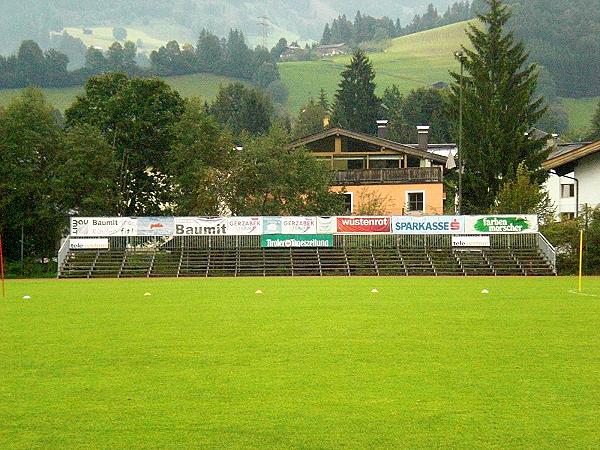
(205, 86)
(410, 62)
(413, 61)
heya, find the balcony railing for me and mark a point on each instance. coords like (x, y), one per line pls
(388, 176)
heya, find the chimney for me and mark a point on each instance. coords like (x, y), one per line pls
(423, 134)
(382, 129)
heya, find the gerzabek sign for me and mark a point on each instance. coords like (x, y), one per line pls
(428, 225)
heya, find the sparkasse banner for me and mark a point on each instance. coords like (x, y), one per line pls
(104, 226)
(363, 224)
(428, 224)
(296, 240)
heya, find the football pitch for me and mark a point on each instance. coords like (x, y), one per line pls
(309, 363)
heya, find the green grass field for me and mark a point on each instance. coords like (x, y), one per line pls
(311, 363)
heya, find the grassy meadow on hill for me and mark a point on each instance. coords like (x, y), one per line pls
(413, 61)
(312, 363)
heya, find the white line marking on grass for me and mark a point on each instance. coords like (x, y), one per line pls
(573, 291)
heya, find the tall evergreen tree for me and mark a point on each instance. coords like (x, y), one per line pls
(356, 106)
(500, 107)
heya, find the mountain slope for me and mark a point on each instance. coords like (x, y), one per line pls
(420, 59)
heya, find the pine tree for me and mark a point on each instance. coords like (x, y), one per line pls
(356, 106)
(323, 100)
(500, 107)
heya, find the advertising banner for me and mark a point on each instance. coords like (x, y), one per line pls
(470, 241)
(296, 240)
(363, 225)
(428, 224)
(103, 226)
(501, 224)
(200, 226)
(326, 225)
(244, 226)
(88, 244)
(290, 225)
(156, 226)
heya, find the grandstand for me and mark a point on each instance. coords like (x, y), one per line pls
(337, 254)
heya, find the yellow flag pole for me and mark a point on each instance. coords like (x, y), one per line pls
(580, 260)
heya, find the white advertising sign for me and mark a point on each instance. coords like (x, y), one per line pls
(200, 226)
(428, 224)
(470, 241)
(244, 226)
(326, 225)
(506, 224)
(155, 226)
(290, 225)
(88, 244)
(103, 226)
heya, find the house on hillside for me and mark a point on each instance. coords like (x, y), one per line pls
(574, 177)
(290, 51)
(331, 50)
(382, 176)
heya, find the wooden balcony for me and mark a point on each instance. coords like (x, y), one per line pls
(409, 175)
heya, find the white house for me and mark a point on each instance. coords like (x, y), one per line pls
(574, 177)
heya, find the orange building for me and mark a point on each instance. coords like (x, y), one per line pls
(380, 176)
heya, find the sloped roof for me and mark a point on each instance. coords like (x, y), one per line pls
(409, 149)
(566, 154)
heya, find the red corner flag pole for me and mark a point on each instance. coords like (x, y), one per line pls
(2, 269)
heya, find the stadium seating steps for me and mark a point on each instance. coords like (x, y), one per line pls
(349, 261)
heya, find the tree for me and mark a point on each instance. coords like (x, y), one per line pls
(356, 106)
(119, 33)
(522, 195)
(31, 63)
(136, 117)
(29, 142)
(95, 61)
(595, 132)
(200, 162)
(242, 109)
(87, 173)
(268, 178)
(209, 53)
(279, 48)
(499, 109)
(311, 120)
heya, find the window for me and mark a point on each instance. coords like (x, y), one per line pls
(567, 190)
(348, 202)
(415, 201)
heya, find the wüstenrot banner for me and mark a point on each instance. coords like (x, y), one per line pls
(428, 224)
(501, 224)
(296, 240)
(363, 224)
(104, 226)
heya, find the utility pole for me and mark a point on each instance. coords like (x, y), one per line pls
(264, 23)
(461, 57)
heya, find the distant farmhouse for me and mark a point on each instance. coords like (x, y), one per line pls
(332, 50)
(407, 179)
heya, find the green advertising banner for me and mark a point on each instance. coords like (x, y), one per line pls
(296, 240)
(501, 224)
